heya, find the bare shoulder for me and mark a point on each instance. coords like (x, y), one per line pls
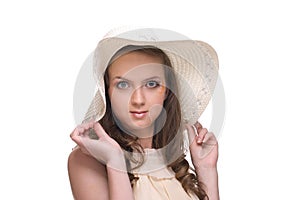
(79, 160)
(87, 176)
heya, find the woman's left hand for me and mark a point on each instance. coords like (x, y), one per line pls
(203, 146)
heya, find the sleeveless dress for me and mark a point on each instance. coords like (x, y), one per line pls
(157, 181)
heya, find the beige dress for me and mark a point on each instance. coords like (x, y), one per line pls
(156, 181)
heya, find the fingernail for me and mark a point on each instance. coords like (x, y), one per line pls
(199, 140)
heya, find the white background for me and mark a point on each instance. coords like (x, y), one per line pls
(44, 43)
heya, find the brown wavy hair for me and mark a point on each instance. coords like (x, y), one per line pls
(167, 137)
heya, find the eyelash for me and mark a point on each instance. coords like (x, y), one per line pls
(122, 82)
(118, 85)
(155, 82)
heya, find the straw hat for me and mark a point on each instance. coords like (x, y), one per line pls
(195, 64)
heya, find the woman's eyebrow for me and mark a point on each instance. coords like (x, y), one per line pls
(120, 77)
(153, 77)
(147, 79)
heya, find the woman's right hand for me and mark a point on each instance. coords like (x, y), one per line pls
(105, 149)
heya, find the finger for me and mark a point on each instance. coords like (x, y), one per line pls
(88, 125)
(84, 129)
(78, 132)
(81, 130)
(75, 132)
(99, 130)
(201, 135)
(75, 136)
(210, 139)
(192, 133)
(198, 126)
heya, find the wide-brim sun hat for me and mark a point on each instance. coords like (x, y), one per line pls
(194, 62)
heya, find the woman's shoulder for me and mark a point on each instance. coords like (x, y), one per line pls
(77, 159)
(86, 172)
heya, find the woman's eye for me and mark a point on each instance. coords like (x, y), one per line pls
(122, 85)
(152, 84)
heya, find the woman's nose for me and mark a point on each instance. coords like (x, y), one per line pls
(138, 97)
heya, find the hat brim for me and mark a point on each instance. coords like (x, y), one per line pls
(195, 64)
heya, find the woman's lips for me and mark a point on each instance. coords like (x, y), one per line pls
(139, 114)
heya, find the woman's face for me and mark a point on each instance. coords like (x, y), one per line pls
(137, 90)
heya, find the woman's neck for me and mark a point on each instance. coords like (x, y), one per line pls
(145, 136)
(146, 143)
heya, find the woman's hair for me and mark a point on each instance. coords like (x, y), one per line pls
(167, 137)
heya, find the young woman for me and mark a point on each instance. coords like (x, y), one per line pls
(132, 143)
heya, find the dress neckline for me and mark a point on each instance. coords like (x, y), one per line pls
(154, 164)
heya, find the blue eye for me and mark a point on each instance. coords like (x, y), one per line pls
(152, 84)
(122, 85)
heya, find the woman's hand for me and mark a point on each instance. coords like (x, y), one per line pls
(203, 146)
(104, 149)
